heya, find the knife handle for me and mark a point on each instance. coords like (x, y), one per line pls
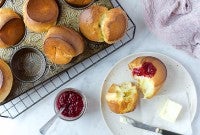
(165, 132)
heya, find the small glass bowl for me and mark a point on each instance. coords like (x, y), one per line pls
(79, 7)
(83, 99)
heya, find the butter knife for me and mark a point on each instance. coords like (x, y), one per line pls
(128, 120)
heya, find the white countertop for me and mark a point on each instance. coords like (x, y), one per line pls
(90, 83)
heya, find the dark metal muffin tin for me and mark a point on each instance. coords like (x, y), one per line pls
(26, 59)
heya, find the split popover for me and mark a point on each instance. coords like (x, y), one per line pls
(12, 28)
(122, 98)
(99, 24)
(40, 15)
(150, 74)
(6, 80)
(61, 44)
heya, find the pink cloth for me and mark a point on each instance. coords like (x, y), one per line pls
(176, 21)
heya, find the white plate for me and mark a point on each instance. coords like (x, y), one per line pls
(178, 79)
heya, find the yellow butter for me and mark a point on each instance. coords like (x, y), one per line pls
(170, 111)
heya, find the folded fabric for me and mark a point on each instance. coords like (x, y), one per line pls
(176, 21)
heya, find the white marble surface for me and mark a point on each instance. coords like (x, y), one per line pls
(90, 83)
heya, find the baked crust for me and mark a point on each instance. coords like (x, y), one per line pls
(62, 44)
(79, 2)
(67, 35)
(114, 25)
(2, 2)
(58, 51)
(12, 28)
(99, 24)
(40, 15)
(157, 80)
(89, 23)
(7, 80)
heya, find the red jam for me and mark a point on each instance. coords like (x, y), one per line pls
(147, 70)
(73, 103)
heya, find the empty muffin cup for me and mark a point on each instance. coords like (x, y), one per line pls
(72, 101)
(28, 64)
(79, 4)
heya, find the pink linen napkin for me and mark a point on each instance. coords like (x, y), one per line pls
(176, 21)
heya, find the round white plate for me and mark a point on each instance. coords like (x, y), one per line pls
(178, 80)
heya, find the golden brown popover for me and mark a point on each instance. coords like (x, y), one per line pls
(6, 80)
(62, 44)
(40, 15)
(12, 28)
(99, 24)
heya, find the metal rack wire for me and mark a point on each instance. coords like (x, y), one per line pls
(15, 107)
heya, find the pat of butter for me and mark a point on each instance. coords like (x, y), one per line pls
(170, 111)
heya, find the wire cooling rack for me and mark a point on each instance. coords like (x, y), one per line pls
(15, 107)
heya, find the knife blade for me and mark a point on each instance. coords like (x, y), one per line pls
(131, 121)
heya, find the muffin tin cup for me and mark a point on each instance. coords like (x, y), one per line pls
(28, 64)
(84, 101)
(79, 7)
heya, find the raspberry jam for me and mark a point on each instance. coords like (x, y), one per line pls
(147, 70)
(72, 101)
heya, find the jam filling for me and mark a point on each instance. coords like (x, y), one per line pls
(73, 103)
(147, 70)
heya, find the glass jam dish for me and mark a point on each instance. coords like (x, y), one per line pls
(73, 101)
